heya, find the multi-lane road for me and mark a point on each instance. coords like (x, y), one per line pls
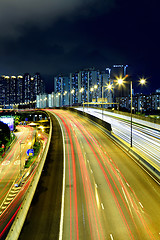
(145, 135)
(12, 173)
(10, 165)
(106, 194)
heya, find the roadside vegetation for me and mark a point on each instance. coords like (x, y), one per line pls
(31, 159)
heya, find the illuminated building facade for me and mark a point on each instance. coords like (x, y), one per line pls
(20, 90)
(62, 88)
(13, 90)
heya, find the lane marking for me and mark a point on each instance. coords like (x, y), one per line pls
(141, 204)
(127, 184)
(111, 236)
(126, 199)
(102, 206)
(110, 137)
(9, 198)
(63, 187)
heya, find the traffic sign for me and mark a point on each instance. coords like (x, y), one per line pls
(30, 152)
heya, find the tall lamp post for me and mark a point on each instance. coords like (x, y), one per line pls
(131, 111)
(92, 89)
(102, 102)
(71, 97)
(142, 81)
(95, 88)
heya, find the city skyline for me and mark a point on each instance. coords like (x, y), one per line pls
(52, 37)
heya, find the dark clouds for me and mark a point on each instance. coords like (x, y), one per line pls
(62, 36)
(15, 14)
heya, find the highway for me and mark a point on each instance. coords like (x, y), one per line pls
(11, 196)
(43, 218)
(145, 135)
(105, 194)
(10, 166)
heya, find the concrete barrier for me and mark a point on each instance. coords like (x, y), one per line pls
(150, 166)
(95, 119)
(22, 213)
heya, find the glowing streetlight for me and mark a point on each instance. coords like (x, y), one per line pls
(81, 90)
(119, 81)
(142, 81)
(42, 128)
(109, 86)
(92, 89)
(72, 92)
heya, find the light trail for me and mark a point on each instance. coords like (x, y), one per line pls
(145, 138)
(11, 200)
(85, 152)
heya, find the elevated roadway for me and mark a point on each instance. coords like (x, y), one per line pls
(104, 195)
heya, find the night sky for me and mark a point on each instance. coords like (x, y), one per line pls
(62, 36)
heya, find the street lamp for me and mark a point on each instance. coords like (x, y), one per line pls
(103, 98)
(70, 97)
(64, 94)
(59, 97)
(81, 91)
(95, 88)
(142, 81)
(92, 89)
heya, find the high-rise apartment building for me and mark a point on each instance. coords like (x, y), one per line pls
(38, 83)
(13, 90)
(88, 85)
(120, 72)
(7, 91)
(20, 90)
(83, 86)
(156, 100)
(74, 88)
(62, 89)
(2, 90)
(27, 88)
(20, 87)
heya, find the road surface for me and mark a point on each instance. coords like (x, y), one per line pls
(145, 135)
(106, 195)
